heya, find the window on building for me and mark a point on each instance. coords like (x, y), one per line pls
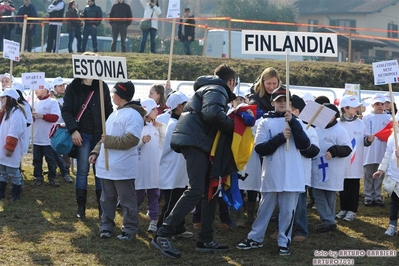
(392, 30)
(312, 22)
(344, 24)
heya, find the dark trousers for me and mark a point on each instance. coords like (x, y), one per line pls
(92, 31)
(349, 197)
(72, 35)
(153, 33)
(251, 194)
(224, 213)
(198, 167)
(393, 215)
(48, 153)
(116, 30)
(53, 38)
(4, 34)
(171, 197)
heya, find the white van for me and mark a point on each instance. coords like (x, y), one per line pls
(103, 42)
(217, 45)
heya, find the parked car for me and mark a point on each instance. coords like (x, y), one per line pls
(104, 44)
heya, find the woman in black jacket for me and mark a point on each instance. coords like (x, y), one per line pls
(74, 27)
(263, 88)
(86, 133)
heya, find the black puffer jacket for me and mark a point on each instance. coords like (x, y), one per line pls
(203, 115)
(75, 95)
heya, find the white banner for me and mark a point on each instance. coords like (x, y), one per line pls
(352, 89)
(291, 43)
(33, 81)
(99, 67)
(11, 50)
(386, 72)
(173, 9)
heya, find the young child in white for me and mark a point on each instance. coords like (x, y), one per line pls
(374, 121)
(123, 131)
(63, 161)
(328, 169)
(301, 230)
(150, 149)
(46, 112)
(173, 179)
(12, 141)
(282, 172)
(358, 135)
(251, 180)
(389, 166)
(6, 80)
(28, 112)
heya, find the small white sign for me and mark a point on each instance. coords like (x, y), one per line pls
(33, 81)
(11, 50)
(352, 89)
(173, 9)
(99, 67)
(386, 72)
(317, 114)
(291, 43)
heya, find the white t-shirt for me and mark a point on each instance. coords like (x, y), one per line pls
(149, 157)
(122, 164)
(282, 170)
(356, 131)
(374, 153)
(329, 174)
(14, 126)
(41, 128)
(172, 166)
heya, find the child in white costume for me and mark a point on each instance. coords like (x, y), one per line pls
(389, 166)
(374, 121)
(173, 179)
(46, 112)
(150, 149)
(123, 130)
(328, 171)
(282, 172)
(12, 141)
(358, 135)
(301, 230)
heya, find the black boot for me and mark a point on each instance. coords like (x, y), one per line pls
(81, 196)
(3, 186)
(98, 194)
(15, 192)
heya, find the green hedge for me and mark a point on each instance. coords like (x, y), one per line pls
(155, 66)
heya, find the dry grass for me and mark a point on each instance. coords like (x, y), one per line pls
(41, 229)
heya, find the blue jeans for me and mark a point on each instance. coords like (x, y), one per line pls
(325, 204)
(60, 163)
(301, 216)
(72, 35)
(89, 30)
(48, 153)
(10, 172)
(82, 162)
(153, 33)
(187, 49)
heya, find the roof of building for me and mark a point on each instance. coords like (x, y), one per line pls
(358, 43)
(343, 6)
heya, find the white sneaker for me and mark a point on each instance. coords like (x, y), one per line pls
(350, 216)
(152, 227)
(341, 214)
(391, 231)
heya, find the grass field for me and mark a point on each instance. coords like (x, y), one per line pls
(41, 229)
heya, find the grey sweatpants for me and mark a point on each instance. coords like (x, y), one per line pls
(372, 186)
(287, 202)
(124, 190)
